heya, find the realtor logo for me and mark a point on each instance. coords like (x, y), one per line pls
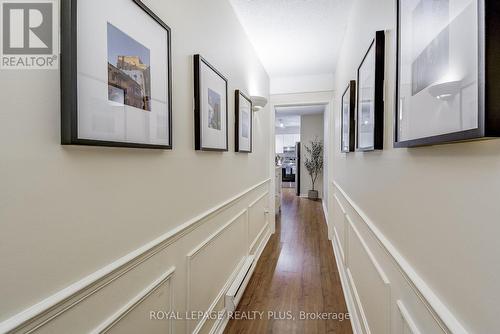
(29, 34)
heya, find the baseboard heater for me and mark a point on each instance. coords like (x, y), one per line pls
(236, 289)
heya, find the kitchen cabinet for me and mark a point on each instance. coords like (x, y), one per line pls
(287, 140)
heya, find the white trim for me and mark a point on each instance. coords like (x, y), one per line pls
(217, 300)
(307, 196)
(193, 254)
(327, 221)
(344, 212)
(261, 247)
(251, 205)
(376, 265)
(355, 322)
(238, 286)
(378, 268)
(220, 324)
(325, 211)
(136, 301)
(357, 300)
(406, 317)
(42, 312)
(341, 251)
(260, 198)
(228, 283)
(266, 226)
(439, 311)
(343, 247)
(214, 235)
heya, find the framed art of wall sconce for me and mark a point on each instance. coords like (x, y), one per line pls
(348, 122)
(370, 97)
(448, 81)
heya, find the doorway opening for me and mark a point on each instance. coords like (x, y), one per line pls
(295, 127)
(287, 147)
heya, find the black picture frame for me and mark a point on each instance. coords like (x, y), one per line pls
(488, 81)
(69, 80)
(238, 95)
(350, 94)
(199, 145)
(378, 43)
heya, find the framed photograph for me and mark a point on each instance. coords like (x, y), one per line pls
(243, 123)
(370, 97)
(447, 81)
(210, 107)
(116, 85)
(348, 122)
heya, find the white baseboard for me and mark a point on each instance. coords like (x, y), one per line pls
(325, 210)
(221, 324)
(307, 196)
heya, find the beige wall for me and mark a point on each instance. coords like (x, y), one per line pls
(414, 227)
(67, 211)
(311, 128)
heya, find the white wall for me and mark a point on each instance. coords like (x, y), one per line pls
(416, 230)
(68, 212)
(311, 128)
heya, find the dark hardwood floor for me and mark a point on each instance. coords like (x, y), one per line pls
(296, 273)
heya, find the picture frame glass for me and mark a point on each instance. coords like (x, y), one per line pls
(245, 124)
(346, 119)
(213, 92)
(438, 91)
(123, 74)
(365, 118)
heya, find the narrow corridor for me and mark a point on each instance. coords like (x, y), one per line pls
(295, 276)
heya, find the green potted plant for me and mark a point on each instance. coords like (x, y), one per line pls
(314, 164)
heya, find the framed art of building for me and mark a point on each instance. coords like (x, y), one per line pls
(116, 86)
(243, 124)
(210, 107)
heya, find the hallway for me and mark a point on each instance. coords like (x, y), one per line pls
(296, 273)
(162, 163)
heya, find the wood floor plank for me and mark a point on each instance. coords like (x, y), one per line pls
(295, 273)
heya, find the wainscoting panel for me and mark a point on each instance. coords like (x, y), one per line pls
(383, 292)
(212, 263)
(134, 317)
(339, 222)
(373, 286)
(408, 325)
(186, 269)
(258, 221)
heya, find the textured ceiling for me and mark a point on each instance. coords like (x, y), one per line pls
(287, 121)
(295, 37)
